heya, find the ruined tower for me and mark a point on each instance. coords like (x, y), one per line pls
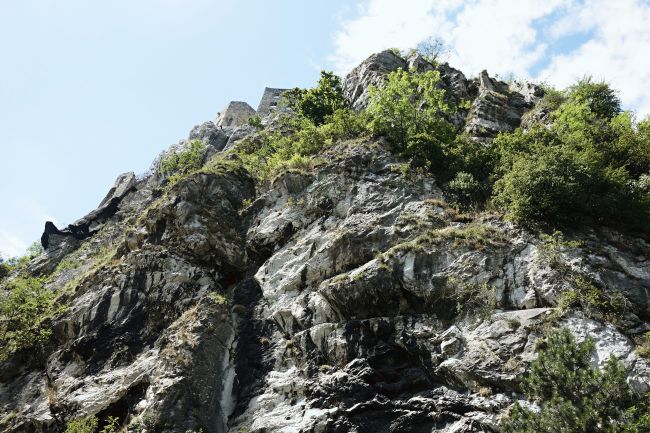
(270, 100)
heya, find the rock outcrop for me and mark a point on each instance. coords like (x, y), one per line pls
(319, 302)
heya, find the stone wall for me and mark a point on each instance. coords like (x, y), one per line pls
(270, 100)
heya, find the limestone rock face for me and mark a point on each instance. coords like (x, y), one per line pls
(495, 106)
(211, 134)
(371, 72)
(236, 113)
(496, 109)
(326, 301)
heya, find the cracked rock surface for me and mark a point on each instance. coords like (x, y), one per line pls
(318, 302)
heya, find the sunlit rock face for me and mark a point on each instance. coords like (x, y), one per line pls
(320, 301)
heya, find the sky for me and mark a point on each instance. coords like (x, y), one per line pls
(91, 89)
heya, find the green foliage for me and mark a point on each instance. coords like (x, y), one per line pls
(477, 299)
(86, 424)
(90, 424)
(345, 124)
(465, 190)
(271, 152)
(594, 301)
(562, 175)
(586, 167)
(464, 154)
(217, 298)
(5, 269)
(317, 103)
(177, 165)
(25, 311)
(574, 396)
(15, 263)
(552, 99)
(643, 349)
(601, 99)
(35, 249)
(112, 425)
(551, 247)
(409, 110)
(255, 121)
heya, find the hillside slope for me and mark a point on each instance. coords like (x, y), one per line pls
(347, 298)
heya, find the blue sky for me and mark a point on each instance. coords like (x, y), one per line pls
(91, 89)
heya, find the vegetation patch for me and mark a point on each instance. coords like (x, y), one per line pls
(574, 396)
(477, 299)
(595, 302)
(26, 310)
(177, 165)
(551, 247)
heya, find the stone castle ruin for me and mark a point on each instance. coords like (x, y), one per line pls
(270, 100)
(237, 113)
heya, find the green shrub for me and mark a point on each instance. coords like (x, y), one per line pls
(317, 103)
(177, 165)
(465, 190)
(25, 311)
(552, 99)
(573, 395)
(112, 425)
(86, 424)
(90, 424)
(586, 167)
(255, 121)
(594, 301)
(5, 269)
(345, 124)
(551, 247)
(464, 154)
(409, 110)
(643, 349)
(478, 299)
(602, 100)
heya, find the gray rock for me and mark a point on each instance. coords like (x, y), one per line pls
(345, 299)
(211, 134)
(371, 71)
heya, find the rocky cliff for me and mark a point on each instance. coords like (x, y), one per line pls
(316, 302)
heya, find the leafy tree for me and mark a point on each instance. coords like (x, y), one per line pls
(345, 124)
(581, 169)
(601, 99)
(319, 102)
(573, 395)
(25, 311)
(5, 269)
(410, 112)
(431, 49)
(34, 249)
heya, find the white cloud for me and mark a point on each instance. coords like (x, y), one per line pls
(386, 23)
(11, 245)
(617, 52)
(493, 34)
(503, 36)
(498, 35)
